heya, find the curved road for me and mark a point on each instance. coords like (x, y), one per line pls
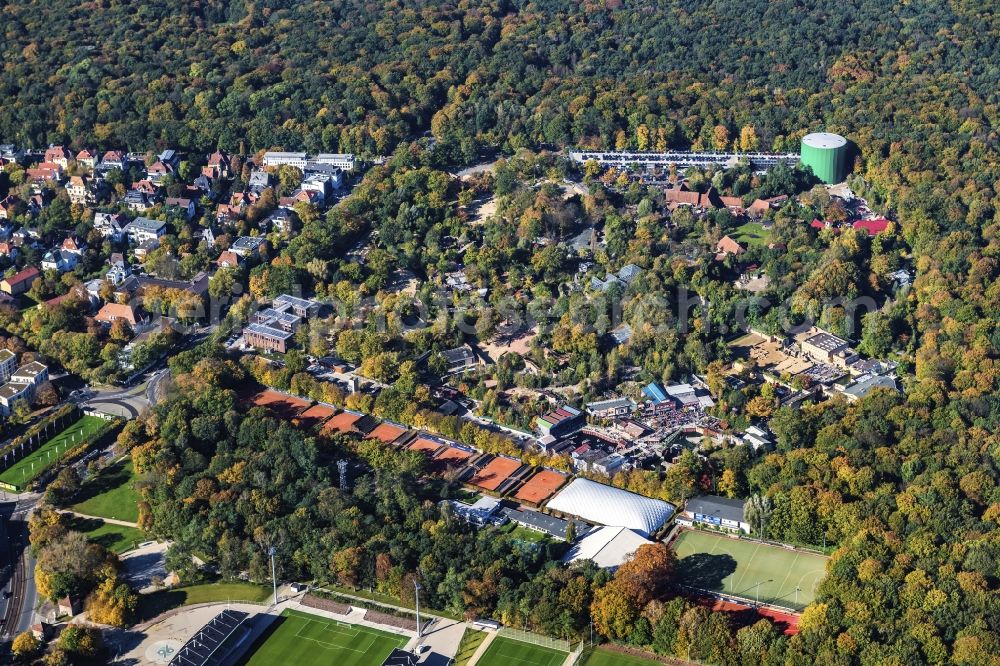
(17, 580)
(18, 603)
(130, 402)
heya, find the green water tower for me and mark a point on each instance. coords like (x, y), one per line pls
(826, 153)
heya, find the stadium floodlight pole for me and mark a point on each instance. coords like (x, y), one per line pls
(416, 589)
(274, 580)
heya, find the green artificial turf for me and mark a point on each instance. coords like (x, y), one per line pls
(747, 569)
(48, 454)
(508, 652)
(110, 494)
(301, 638)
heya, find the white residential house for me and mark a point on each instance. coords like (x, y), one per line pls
(114, 159)
(143, 229)
(137, 201)
(280, 220)
(74, 244)
(119, 269)
(22, 385)
(8, 363)
(319, 170)
(248, 246)
(259, 181)
(33, 373)
(110, 225)
(10, 394)
(143, 249)
(87, 158)
(58, 155)
(317, 185)
(60, 260)
(79, 190)
(758, 438)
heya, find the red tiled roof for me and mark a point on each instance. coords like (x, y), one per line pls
(229, 258)
(27, 274)
(112, 311)
(729, 246)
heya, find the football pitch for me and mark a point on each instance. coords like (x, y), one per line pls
(300, 638)
(748, 570)
(508, 652)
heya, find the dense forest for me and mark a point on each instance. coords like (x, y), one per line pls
(905, 486)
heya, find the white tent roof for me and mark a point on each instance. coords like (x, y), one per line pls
(608, 547)
(603, 504)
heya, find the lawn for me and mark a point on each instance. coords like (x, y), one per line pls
(110, 494)
(301, 638)
(116, 538)
(471, 640)
(525, 535)
(507, 652)
(33, 464)
(151, 605)
(751, 233)
(466, 496)
(749, 570)
(385, 599)
(601, 657)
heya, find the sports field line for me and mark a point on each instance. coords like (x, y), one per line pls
(336, 631)
(791, 568)
(817, 577)
(333, 626)
(739, 583)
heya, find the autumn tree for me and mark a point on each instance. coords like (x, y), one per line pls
(112, 602)
(638, 581)
(26, 647)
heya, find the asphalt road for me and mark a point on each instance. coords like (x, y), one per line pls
(19, 598)
(132, 401)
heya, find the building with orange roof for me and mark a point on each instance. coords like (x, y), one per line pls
(112, 312)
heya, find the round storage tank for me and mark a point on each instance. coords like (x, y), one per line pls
(826, 153)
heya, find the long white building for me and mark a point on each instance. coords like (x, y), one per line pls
(343, 161)
(272, 158)
(606, 505)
